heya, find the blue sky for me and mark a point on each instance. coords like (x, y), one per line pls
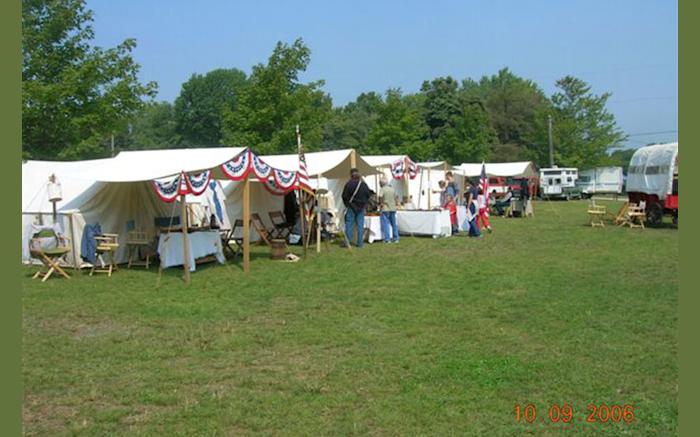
(629, 48)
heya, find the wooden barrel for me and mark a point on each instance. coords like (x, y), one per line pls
(278, 249)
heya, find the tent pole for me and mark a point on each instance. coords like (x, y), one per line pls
(318, 215)
(353, 158)
(302, 217)
(405, 178)
(430, 188)
(246, 224)
(76, 255)
(185, 237)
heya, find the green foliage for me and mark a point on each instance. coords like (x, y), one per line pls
(350, 125)
(275, 101)
(512, 103)
(398, 127)
(202, 101)
(73, 95)
(583, 130)
(154, 128)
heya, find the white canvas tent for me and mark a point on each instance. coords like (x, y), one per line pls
(119, 190)
(652, 168)
(383, 163)
(523, 169)
(327, 169)
(36, 208)
(423, 186)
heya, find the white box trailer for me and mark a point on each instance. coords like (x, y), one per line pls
(601, 180)
(559, 183)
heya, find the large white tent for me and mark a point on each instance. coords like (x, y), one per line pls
(118, 190)
(111, 192)
(327, 169)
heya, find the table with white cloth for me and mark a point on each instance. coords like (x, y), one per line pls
(202, 243)
(435, 223)
(373, 223)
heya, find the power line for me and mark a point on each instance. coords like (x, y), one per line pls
(653, 133)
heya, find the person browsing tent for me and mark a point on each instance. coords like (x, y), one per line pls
(387, 199)
(356, 196)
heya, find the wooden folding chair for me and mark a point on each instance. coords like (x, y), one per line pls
(637, 216)
(596, 213)
(49, 257)
(281, 227)
(259, 225)
(107, 245)
(621, 217)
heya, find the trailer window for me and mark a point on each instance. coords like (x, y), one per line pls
(493, 181)
(558, 181)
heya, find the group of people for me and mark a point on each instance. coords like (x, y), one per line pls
(474, 200)
(357, 194)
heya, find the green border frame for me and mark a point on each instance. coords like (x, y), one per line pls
(689, 298)
(11, 309)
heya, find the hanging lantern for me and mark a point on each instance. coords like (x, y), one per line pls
(54, 189)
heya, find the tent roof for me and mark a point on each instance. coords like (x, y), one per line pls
(383, 160)
(333, 164)
(35, 178)
(146, 165)
(512, 169)
(435, 165)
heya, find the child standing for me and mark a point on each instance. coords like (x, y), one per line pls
(451, 206)
(483, 211)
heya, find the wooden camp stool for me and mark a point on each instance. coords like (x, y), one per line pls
(596, 213)
(135, 242)
(49, 257)
(107, 246)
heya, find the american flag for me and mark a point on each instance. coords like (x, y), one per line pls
(484, 183)
(303, 177)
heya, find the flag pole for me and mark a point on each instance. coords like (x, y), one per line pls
(302, 215)
(185, 237)
(318, 214)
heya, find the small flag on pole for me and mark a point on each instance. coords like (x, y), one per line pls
(303, 176)
(484, 183)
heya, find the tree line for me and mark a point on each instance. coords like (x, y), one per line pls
(78, 99)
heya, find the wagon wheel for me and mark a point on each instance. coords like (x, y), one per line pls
(655, 214)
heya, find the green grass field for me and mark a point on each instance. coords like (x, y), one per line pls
(428, 337)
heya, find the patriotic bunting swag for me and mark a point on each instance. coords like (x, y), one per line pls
(398, 168)
(276, 181)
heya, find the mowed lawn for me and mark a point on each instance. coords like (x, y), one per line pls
(429, 337)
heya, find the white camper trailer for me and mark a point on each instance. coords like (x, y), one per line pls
(600, 180)
(559, 183)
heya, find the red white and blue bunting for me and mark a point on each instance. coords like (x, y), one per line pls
(197, 183)
(238, 168)
(276, 181)
(398, 168)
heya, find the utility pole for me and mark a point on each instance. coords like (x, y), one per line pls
(551, 147)
(112, 145)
